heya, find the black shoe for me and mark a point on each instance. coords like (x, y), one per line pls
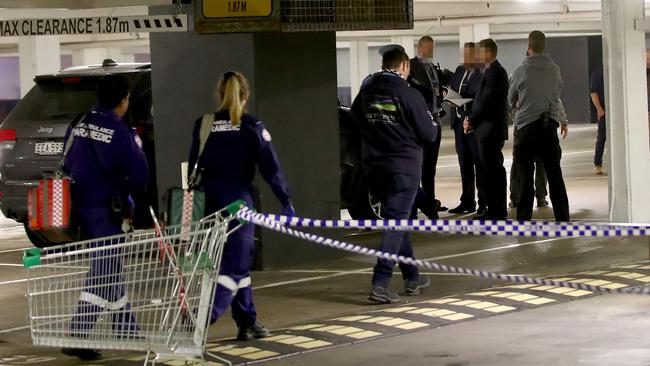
(438, 206)
(481, 210)
(84, 354)
(257, 330)
(383, 295)
(414, 287)
(461, 209)
(542, 203)
(481, 216)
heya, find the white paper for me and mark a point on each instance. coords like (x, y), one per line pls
(456, 99)
(184, 178)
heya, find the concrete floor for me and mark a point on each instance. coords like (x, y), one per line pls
(604, 330)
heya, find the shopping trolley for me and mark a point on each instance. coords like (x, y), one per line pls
(146, 291)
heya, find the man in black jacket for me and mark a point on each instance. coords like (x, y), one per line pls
(394, 124)
(428, 79)
(488, 121)
(465, 82)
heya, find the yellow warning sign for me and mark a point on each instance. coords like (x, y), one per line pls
(237, 8)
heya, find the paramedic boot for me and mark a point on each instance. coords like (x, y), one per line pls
(414, 287)
(257, 330)
(383, 295)
(84, 354)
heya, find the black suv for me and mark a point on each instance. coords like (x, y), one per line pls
(31, 137)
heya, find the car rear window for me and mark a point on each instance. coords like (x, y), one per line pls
(55, 100)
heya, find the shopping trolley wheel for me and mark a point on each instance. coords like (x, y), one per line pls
(84, 354)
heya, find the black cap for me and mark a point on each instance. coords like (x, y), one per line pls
(389, 47)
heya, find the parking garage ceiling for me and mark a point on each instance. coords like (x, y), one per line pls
(441, 18)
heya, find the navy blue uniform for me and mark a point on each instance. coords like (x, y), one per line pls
(105, 164)
(228, 166)
(394, 123)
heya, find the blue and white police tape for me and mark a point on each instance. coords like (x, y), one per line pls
(268, 222)
(512, 228)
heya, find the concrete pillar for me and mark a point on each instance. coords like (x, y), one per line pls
(358, 65)
(408, 42)
(626, 108)
(297, 105)
(89, 56)
(38, 55)
(472, 33)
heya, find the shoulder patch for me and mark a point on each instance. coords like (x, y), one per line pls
(266, 135)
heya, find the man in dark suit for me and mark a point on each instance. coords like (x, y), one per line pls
(465, 82)
(488, 121)
(428, 80)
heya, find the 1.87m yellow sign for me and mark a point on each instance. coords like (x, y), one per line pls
(237, 8)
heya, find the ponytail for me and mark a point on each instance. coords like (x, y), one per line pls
(232, 91)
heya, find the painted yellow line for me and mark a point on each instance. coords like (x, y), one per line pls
(364, 335)
(500, 309)
(393, 322)
(442, 301)
(313, 344)
(412, 325)
(464, 302)
(439, 313)
(219, 348)
(522, 297)
(419, 311)
(593, 273)
(294, 340)
(306, 327)
(628, 275)
(506, 294)
(277, 338)
(260, 355)
(578, 293)
(484, 293)
(482, 305)
(457, 316)
(346, 331)
(355, 318)
(540, 301)
(328, 328)
(241, 351)
(400, 309)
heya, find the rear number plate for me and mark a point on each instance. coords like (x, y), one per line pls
(48, 148)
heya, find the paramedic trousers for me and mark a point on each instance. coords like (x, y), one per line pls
(104, 289)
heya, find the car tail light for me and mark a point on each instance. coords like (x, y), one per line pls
(71, 80)
(7, 139)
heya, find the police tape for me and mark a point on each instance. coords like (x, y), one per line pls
(268, 222)
(512, 228)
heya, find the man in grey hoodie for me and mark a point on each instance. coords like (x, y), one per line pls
(534, 94)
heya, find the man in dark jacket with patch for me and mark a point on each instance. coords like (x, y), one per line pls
(394, 123)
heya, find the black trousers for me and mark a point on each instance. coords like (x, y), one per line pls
(494, 173)
(601, 137)
(429, 163)
(540, 182)
(542, 141)
(467, 151)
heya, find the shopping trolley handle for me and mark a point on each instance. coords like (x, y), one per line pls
(32, 257)
(234, 207)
